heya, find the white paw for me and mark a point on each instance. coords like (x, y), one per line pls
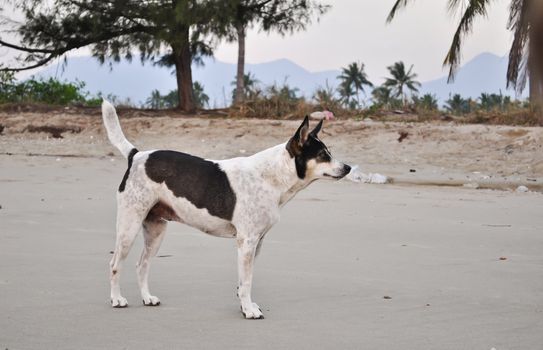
(119, 302)
(252, 312)
(151, 301)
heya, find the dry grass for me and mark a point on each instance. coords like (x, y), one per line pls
(523, 117)
(55, 131)
(270, 108)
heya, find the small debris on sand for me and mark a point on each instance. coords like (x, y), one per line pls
(508, 149)
(473, 185)
(324, 115)
(355, 175)
(403, 135)
(503, 258)
(412, 171)
(522, 189)
(387, 297)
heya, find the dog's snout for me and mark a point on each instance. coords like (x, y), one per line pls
(346, 169)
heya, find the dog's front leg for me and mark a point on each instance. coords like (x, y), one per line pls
(246, 258)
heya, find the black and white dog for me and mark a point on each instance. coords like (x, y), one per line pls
(237, 198)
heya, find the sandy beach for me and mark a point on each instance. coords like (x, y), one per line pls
(448, 256)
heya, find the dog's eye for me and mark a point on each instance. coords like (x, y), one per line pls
(323, 155)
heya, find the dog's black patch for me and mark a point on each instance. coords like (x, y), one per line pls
(314, 149)
(198, 180)
(305, 145)
(125, 177)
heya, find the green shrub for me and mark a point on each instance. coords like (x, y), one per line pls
(50, 91)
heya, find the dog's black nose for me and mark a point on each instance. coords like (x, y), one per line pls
(346, 169)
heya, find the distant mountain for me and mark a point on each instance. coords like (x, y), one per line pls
(484, 73)
(217, 77)
(136, 81)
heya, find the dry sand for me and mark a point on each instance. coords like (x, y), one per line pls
(325, 269)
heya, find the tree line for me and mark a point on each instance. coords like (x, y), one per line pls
(399, 92)
(173, 33)
(525, 22)
(178, 33)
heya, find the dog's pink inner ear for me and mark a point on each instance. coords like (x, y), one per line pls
(295, 144)
(304, 133)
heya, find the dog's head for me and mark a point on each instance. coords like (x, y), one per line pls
(311, 156)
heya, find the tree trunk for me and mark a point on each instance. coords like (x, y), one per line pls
(240, 81)
(535, 59)
(183, 73)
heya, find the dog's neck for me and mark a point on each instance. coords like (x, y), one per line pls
(277, 167)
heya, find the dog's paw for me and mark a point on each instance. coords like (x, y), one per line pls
(151, 301)
(252, 312)
(119, 302)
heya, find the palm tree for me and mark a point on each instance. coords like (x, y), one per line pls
(400, 79)
(355, 78)
(458, 105)
(382, 95)
(249, 87)
(526, 53)
(171, 99)
(346, 94)
(427, 102)
(283, 93)
(200, 98)
(326, 97)
(281, 16)
(155, 101)
(490, 102)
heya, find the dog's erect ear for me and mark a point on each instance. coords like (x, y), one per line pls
(303, 131)
(315, 131)
(295, 144)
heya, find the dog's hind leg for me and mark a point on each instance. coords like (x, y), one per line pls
(153, 233)
(129, 223)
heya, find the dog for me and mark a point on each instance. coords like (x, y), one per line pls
(238, 198)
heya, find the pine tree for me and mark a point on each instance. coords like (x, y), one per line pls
(118, 28)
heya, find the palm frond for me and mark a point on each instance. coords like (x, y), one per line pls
(474, 9)
(400, 4)
(456, 5)
(519, 24)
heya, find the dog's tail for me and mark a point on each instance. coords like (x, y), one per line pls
(114, 131)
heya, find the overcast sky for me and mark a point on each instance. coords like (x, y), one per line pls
(355, 30)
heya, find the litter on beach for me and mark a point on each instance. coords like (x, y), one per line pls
(355, 175)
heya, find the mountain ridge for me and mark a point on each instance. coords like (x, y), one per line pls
(134, 80)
